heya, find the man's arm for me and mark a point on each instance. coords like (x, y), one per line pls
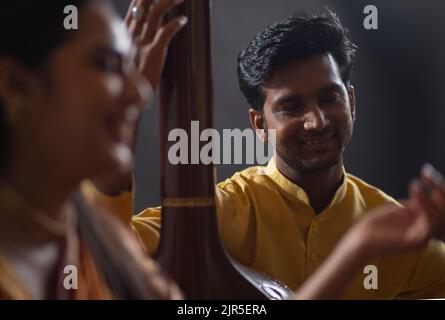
(147, 226)
(390, 230)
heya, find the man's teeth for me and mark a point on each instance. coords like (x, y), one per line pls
(316, 141)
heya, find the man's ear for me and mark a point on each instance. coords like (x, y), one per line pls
(258, 123)
(352, 102)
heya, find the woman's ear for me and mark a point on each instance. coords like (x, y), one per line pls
(17, 89)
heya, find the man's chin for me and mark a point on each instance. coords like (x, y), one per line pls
(312, 162)
(316, 164)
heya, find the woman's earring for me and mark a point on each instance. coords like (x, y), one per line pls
(19, 113)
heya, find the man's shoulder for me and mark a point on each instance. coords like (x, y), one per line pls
(238, 195)
(147, 227)
(149, 213)
(372, 195)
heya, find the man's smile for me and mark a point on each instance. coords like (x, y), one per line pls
(318, 142)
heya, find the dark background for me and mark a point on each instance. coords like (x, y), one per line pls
(398, 81)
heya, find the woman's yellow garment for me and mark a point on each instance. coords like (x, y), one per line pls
(91, 284)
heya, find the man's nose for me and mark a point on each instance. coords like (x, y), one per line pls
(315, 119)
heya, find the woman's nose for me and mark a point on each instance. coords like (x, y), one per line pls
(137, 90)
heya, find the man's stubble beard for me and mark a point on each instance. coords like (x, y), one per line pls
(310, 165)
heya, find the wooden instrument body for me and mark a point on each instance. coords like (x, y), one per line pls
(190, 249)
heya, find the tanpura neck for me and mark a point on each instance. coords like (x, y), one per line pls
(320, 186)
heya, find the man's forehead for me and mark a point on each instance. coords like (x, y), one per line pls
(316, 71)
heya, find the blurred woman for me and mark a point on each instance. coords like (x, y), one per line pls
(69, 100)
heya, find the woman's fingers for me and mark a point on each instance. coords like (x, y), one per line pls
(435, 181)
(128, 17)
(156, 56)
(165, 34)
(155, 17)
(429, 214)
(137, 16)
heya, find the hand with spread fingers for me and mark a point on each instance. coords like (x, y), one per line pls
(427, 197)
(151, 37)
(392, 228)
(385, 230)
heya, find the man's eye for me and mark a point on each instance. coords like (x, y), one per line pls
(283, 110)
(290, 109)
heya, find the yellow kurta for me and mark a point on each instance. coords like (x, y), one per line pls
(266, 222)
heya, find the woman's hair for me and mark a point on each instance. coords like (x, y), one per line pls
(119, 258)
(30, 31)
(4, 139)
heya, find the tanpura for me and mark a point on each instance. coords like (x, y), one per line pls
(190, 248)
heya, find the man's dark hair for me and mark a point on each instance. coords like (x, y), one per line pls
(297, 38)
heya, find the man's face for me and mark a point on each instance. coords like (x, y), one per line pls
(312, 112)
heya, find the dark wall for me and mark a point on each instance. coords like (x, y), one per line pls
(398, 81)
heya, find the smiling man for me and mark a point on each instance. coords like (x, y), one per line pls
(286, 218)
(311, 105)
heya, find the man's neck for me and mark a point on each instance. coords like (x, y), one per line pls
(320, 185)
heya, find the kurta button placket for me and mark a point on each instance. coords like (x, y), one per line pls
(312, 247)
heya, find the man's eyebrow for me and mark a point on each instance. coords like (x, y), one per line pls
(331, 87)
(297, 97)
(286, 99)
